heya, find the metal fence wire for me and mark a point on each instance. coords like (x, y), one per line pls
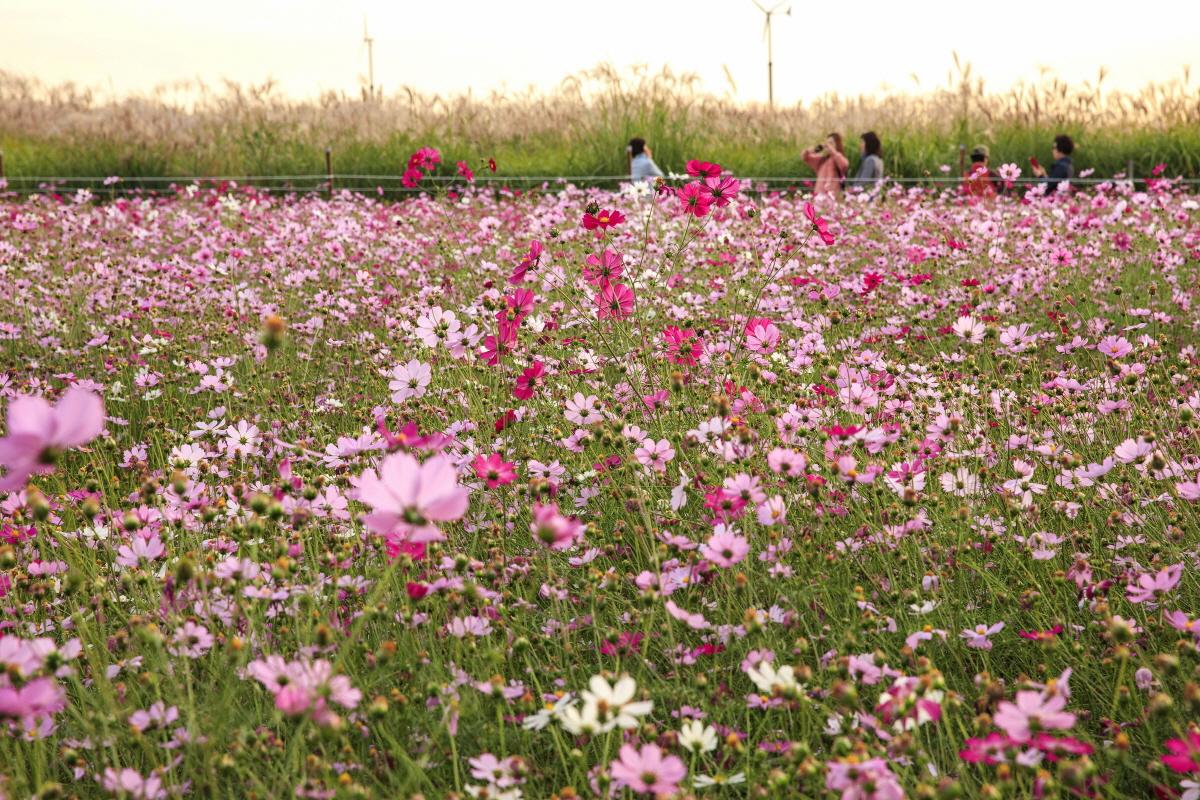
(389, 185)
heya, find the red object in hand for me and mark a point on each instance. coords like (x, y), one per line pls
(1033, 162)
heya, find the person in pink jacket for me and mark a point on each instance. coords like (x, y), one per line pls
(829, 161)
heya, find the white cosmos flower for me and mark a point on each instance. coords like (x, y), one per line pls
(703, 781)
(771, 681)
(695, 735)
(581, 721)
(614, 704)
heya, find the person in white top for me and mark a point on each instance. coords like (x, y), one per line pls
(641, 165)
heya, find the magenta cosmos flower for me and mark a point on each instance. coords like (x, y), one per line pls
(648, 771)
(1183, 755)
(614, 300)
(38, 432)
(409, 497)
(494, 470)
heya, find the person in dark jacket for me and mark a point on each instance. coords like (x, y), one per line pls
(870, 169)
(1062, 169)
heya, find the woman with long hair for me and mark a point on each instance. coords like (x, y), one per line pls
(829, 161)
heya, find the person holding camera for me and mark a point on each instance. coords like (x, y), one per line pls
(829, 161)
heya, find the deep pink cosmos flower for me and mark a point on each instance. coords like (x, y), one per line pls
(38, 432)
(683, 346)
(411, 178)
(648, 770)
(603, 219)
(528, 262)
(695, 198)
(614, 300)
(603, 268)
(721, 190)
(530, 379)
(466, 172)
(497, 345)
(494, 470)
(1184, 754)
(408, 497)
(703, 169)
(819, 224)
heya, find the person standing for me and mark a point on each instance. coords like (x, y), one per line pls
(870, 169)
(641, 165)
(1063, 169)
(829, 161)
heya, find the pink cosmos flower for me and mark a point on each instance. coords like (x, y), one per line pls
(38, 432)
(1150, 585)
(1033, 711)
(614, 300)
(694, 621)
(128, 782)
(33, 702)
(494, 470)
(409, 380)
(140, 548)
(977, 637)
(582, 410)
(465, 171)
(655, 455)
(866, 780)
(648, 770)
(191, 640)
(408, 497)
(725, 548)
(554, 530)
(1114, 346)
(761, 336)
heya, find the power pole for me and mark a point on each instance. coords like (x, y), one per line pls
(370, 61)
(770, 59)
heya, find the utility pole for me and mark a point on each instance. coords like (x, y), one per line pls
(770, 59)
(370, 61)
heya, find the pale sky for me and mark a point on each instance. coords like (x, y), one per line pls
(308, 46)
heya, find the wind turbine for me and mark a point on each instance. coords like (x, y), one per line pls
(770, 61)
(370, 43)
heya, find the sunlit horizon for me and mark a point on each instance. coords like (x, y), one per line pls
(308, 48)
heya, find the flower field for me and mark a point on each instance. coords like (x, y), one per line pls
(694, 491)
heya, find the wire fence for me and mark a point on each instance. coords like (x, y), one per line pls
(392, 185)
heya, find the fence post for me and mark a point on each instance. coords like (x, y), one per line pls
(329, 169)
(2, 175)
(1129, 172)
